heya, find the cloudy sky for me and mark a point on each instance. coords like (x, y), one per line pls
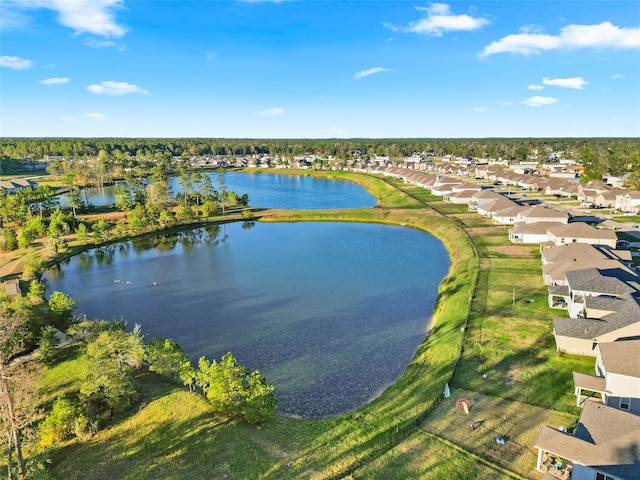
(319, 69)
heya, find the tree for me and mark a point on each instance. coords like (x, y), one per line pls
(165, 357)
(8, 239)
(109, 360)
(47, 347)
(36, 291)
(232, 391)
(260, 402)
(13, 330)
(61, 308)
(223, 383)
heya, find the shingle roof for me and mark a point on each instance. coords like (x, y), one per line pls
(581, 230)
(590, 382)
(593, 280)
(622, 357)
(605, 438)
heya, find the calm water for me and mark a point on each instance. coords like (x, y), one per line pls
(273, 191)
(330, 313)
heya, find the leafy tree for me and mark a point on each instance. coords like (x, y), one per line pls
(8, 239)
(165, 357)
(260, 401)
(61, 308)
(232, 391)
(223, 383)
(47, 348)
(82, 231)
(109, 360)
(31, 266)
(36, 291)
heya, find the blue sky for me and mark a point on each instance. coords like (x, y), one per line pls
(319, 69)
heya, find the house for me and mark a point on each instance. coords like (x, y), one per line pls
(628, 202)
(530, 232)
(541, 213)
(604, 446)
(617, 376)
(17, 184)
(603, 306)
(557, 260)
(581, 232)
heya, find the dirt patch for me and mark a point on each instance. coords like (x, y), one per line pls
(515, 422)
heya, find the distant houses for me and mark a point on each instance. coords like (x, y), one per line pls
(16, 184)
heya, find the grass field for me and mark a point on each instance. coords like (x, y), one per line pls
(508, 363)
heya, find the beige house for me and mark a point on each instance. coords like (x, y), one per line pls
(580, 232)
(603, 308)
(542, 213)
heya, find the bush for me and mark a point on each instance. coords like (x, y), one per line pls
(64, 421)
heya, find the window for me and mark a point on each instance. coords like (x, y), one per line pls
(602, 476)
(625, 403)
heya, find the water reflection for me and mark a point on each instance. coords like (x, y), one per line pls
(330, 313)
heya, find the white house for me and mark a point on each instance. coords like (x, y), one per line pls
(617, 376)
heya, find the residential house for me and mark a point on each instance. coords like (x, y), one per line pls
(541, 213)
(603, 306)
(581, 232)
(604, 446)
(617, 376)
(628, 202)
(530, 232)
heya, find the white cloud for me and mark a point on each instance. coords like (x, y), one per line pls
(604, 35)
(95, 116)
(16, 63)
(84, 16)
(505, 104)
(439, 19)
(539, 101)
(535, 87)
(272, 112)
(371, 71)
(66, 118)
(617, 75)
(95, 43)
(480, 109)
(54, 81)
(575, 82)
(116, 88)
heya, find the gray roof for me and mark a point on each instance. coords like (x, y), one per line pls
(605, 438)
(606, 282)
(622, 357)
(591, 328)
(561, 290)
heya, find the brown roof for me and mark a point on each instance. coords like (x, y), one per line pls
(621, 357)
(590, 382)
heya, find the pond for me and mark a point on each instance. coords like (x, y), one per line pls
(271, 191)
(330, 313)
